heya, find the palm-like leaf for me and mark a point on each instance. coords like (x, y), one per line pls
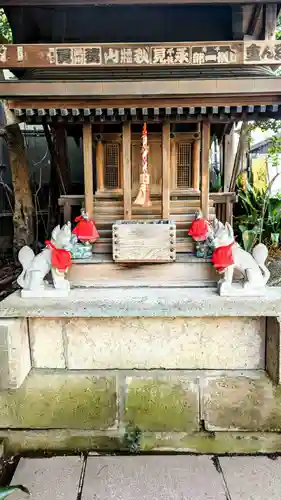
(7, 490)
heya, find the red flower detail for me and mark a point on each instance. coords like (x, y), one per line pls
(61, 258)
(199, 230)
(222, 258)
(85, 230)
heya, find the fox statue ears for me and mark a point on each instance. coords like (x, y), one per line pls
(55, 232)
(218, 227)
(65, 229)
(229, 230)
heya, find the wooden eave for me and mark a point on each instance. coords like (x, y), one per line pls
(215, 114)
(196, 91)
(219, 101)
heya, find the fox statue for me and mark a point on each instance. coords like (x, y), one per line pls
(55, 258)
(228, 256)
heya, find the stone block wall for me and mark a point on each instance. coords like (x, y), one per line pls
(148, 343)
(193, 384)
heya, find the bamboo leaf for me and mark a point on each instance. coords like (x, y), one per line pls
(7, 490)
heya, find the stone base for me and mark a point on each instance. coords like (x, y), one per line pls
(141, 370)
(77, 441)
(241, 290)
(46, 292)
(147, 412)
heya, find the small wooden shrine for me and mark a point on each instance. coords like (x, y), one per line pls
(102, 81)
(131, 357)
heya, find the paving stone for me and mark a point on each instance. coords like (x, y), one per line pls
(252, 478)
(54, 478)
(148, 477)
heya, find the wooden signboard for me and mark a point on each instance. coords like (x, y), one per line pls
(144, 241)
(141, 55)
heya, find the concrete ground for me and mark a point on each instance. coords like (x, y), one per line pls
(150, 478)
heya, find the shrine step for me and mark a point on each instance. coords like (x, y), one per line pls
(103, 272)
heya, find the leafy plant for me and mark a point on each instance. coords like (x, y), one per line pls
(5, 30)
(7, 490)
(262, 215)
(132, 438)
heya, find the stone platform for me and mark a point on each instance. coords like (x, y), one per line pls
(142, 302)
(147, 478)
(141, 368)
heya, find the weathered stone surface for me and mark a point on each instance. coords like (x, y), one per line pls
(216, 442)
(145, 478)
(46, 341)
(252, 477)
(248, 403)
(162, 403)
(143, 302)
(15, 360)
(273, 349)
(60, 400)
(75, 440)
(49, 478)
(173, 343)
(61, 440)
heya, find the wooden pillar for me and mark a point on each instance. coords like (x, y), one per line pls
(166, 150)
(173, 165)
(100, 166)
(228, 158)
(270, 21)
(205, 174)
(127, 171)
(60, 150)
(88, 169)
(196, 161)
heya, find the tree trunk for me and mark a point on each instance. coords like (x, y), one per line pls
(23, 209)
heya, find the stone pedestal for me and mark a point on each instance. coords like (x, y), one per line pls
(141, 369)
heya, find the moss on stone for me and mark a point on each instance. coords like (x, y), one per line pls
(243, 403)
(58, 441)
(220, 442)
(162, 404)
(60, 400)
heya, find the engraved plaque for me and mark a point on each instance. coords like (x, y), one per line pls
(144, 241)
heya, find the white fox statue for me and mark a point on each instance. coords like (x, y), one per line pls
(36, 267)
(250, 265)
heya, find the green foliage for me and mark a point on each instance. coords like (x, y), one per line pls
(132, 438)
(249, 237)
(5, 30)
(261, 217)
(7, 490)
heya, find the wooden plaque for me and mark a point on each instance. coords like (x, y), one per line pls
(144, 241)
